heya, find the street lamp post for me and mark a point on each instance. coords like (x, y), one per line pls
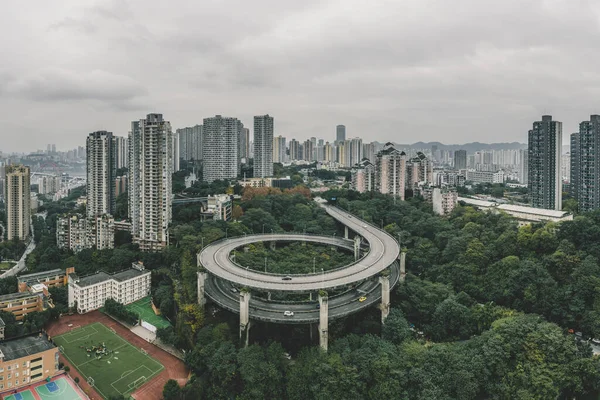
(202, 241)
(226, 229)
(322, 279)
(314, 264)
(265, 264)
(263, 229)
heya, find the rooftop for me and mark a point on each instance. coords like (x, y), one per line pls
(476, 202)
(40, 275)
(25, 346)
(17, 296)
(102, 276)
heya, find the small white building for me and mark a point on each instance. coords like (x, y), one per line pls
(218, 207)
(90, 292)
(485, 176)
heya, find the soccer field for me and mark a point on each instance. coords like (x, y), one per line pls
(112, 365)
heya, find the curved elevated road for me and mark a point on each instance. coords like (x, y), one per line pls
(226, 296)
(383, 252)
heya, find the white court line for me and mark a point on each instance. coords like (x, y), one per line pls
(131, 372)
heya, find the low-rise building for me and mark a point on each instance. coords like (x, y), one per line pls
(27, 360)
(52, 278)
(217, 207)
(89, 293)
(21, 304)
(75, 232)
(123, 225)
(485, 176)
(525, 215)
(444, 200)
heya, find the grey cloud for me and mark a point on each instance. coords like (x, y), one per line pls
(64, 85)
(390, 70)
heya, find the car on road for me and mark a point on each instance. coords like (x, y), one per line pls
(362, 298)
(233, 290)
(286, 278)
(288, 313)
(365, 226)
(318, 306)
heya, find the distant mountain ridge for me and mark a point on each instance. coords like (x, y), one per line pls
(470, 147)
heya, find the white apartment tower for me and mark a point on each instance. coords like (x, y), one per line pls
(263, 146)
(18, 202)
(220, 148)
(279, 149)
(150, 181)
(190, 143)
(122, 151)
(390, 171)
(101, 173)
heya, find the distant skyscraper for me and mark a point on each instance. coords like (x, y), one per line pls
(279, 149)
(17, 196)
(263, 146)
(294, 150)
(220, 148)
(101, 173)
(574, 179)
(369, 152)
(587, 153)
(356, 151)
(307, 148)
(244, 144)
(150, 181)
(460, 159)
(390, 171)
(190, 143)
(176, 156)
(340, 133)
(122, 152)
(545, 146)
(524, 167)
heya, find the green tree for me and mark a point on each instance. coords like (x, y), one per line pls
(171, 390)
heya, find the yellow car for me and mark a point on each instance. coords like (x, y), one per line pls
(362, 298)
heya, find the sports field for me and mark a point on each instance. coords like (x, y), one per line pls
(58, 389)
(143, 308)
(109, 363)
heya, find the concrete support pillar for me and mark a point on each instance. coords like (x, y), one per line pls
(269, 296)
(385, 297)
(323, 321)
(244, 316)
(346, 232)
(272, 245)
(357, 240)
(402, 266)
(202, 277)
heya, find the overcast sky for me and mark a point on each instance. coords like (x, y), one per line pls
(399, 70)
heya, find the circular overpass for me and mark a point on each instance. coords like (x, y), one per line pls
(382, 253)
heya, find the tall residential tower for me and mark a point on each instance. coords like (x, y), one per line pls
(263, 146)
(545, 146)
(150, 181)
(18, 202)
(101, 173)
(220, 148)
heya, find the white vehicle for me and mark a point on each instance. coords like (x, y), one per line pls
(288, 313)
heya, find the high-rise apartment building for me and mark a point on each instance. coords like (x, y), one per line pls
(588, 164)
(356, 151)
(308, 148)
(122, 152)
(524, 167)
(369, 152)
(244, 144)
(17, 197)
(263, 146)
(390, 171)
(101, 173)
(279, 149)
(574, 179)
(294, 150)
(340, 133)
(221, 148)
(150, 181)
(190, 143)
(545, 146)
(460, 159)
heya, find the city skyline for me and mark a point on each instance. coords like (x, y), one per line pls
(464, 71)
